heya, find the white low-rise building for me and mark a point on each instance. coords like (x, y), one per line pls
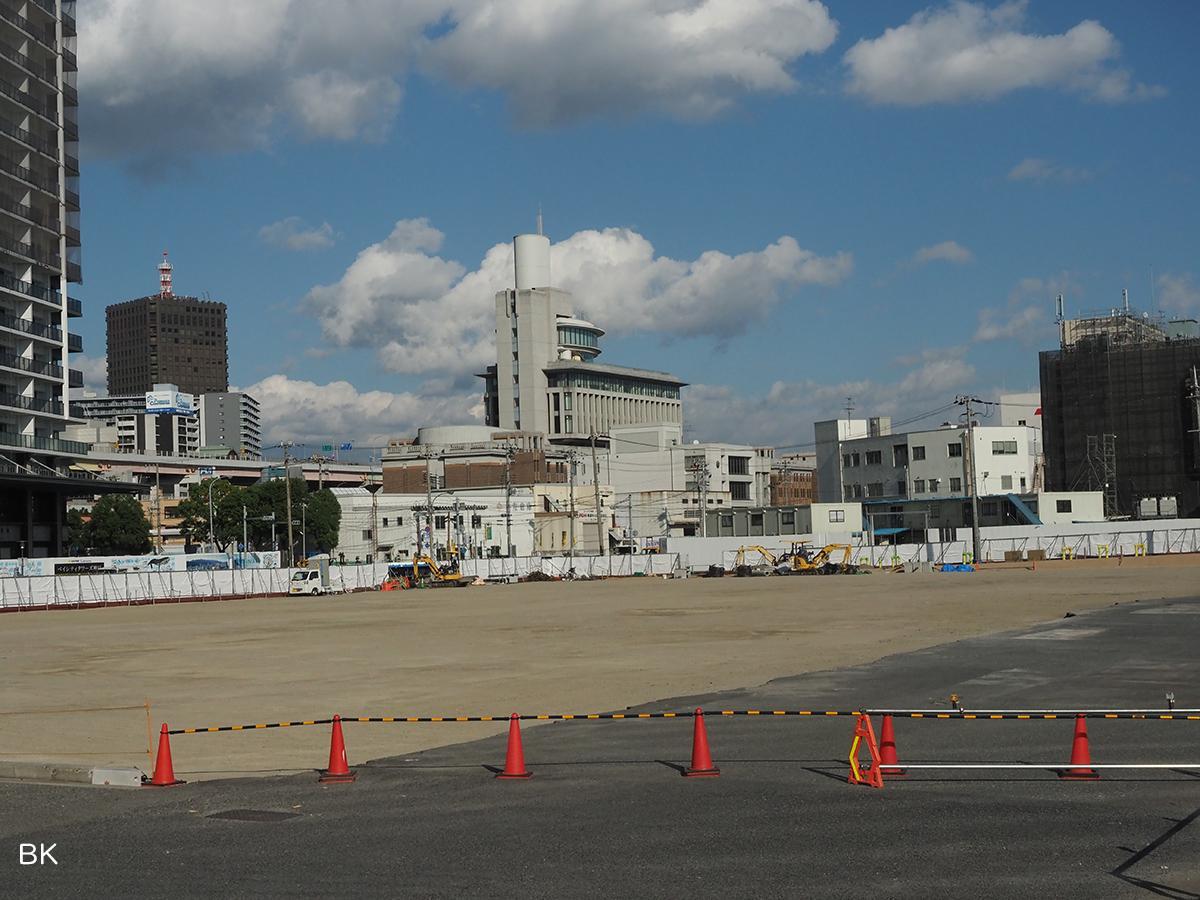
(662, 485)
(377, 526)
(929, 464)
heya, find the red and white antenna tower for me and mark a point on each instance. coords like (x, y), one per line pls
(164, 277)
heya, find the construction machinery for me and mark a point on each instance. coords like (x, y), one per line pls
(423, 571)
(832, 559)
(765, 566)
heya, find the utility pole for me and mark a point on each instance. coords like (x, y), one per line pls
(287, 483)
(699, 470)
(244, 533)
(428, 498)
(571, 457)
(508, 455)
(969, 474)
(304, 527)
(158, 509)
(596, 488)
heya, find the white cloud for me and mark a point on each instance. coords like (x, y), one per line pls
(1033, 168)
(94, 369)
(783, 415)
(967, 52)
(1029, 311)
(566, 60)
(290, 234)
(424, 313)
(165, 80)
(298, 410)
(1177, 293)
(946, 251)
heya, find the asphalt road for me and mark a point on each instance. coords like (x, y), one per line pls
(607, 814)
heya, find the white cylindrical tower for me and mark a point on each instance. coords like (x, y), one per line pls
(531, 261)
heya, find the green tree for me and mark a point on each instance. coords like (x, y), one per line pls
(118, 526)
(227, 500)
(323, 516)
(78, 536)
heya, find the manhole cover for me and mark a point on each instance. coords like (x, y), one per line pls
(253, 815)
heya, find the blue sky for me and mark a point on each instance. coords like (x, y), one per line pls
(780, 201)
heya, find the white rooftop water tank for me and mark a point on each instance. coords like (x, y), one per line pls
(531, 260)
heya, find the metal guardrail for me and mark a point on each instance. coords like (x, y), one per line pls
(28, 442)
(52, 370)
(18, 401)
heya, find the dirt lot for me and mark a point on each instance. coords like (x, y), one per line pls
(556, 647)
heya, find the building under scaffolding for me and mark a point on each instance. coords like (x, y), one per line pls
(1121, 411)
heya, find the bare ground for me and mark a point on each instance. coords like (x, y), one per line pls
(557, 647)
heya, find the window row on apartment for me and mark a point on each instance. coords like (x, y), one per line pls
(922, 486)
(900, 454)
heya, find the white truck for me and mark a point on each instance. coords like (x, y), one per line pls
(312, 580)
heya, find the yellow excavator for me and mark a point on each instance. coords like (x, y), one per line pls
(765, 566)
(423, 571)
(803, 560)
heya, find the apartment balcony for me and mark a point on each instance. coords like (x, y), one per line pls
(69, 28)
(30, 215)
(50, 370)
(50, 333)
(42, 35)
(31, 140)
(46, 108)
(74, 343)
(74, 308)
(29, 442)
(70, 62)
(36, 291)
(30, 404)
(31, 178)
(74, 378)
(72, 201)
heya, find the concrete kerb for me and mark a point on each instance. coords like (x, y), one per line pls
(44, 772)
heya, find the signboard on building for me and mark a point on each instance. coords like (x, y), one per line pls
(172, 403)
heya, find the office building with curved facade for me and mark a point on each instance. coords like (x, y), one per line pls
(546, 376)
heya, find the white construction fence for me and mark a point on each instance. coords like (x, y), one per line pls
(1077, 541)
(135, 588)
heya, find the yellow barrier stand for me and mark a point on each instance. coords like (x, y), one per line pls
(968, 558)
(1067, 552)
(1139, 549)
(1102, 551)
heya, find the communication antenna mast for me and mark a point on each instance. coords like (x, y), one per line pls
(539, 219)
(849, 408)
(164, 277)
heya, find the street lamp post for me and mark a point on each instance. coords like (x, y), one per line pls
(304, 528)
(211, 539)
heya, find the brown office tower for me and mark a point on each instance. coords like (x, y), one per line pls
(167, 339)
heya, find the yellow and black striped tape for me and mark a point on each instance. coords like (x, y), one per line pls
(544, 717)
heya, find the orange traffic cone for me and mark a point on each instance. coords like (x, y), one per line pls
(702, 764)
(889, 762)
(339, 770)
(164, 771)
(514, 759)
(1081, 755)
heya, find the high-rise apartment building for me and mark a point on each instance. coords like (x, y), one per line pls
(39, 258)
(165, 338)
(231, 421)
